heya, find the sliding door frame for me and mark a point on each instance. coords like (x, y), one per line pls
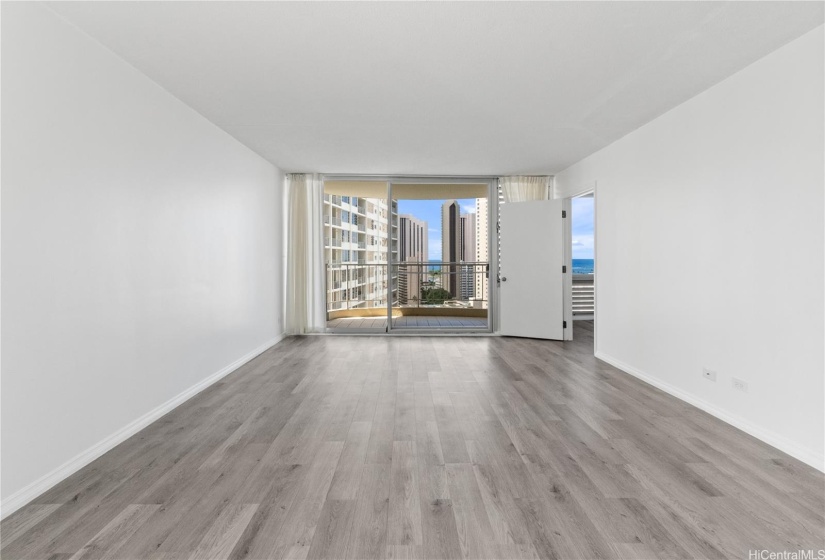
(492, 244)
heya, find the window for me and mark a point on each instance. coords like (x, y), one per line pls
(355, 219)
(345, 217)
(345, 199)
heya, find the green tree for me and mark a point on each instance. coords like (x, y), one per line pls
(435, 296)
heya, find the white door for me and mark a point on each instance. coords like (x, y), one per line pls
(532, 281)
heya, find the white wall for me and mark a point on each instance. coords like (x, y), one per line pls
(710, 248)
(141, 250)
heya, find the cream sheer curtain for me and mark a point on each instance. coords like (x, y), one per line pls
(520, 188)
(305, 296)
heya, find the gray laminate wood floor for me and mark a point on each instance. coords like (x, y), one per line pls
(376, 447)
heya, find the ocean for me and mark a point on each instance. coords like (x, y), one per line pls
(582, 266)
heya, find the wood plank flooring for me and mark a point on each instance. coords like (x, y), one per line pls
(416, 447)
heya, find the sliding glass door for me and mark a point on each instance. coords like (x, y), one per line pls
(440, 259)
(407, 255)
(356, 250)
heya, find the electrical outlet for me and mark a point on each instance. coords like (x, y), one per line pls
(708, 374)
(739, 385)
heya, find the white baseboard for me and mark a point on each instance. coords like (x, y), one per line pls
(781, 443)
(47, 481)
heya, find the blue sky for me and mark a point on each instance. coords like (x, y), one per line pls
(582, 228)
(430, 212)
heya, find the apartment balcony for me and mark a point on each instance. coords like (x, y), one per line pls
(418, 300)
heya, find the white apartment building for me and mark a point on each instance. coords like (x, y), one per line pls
(413, 248)
(359, 235)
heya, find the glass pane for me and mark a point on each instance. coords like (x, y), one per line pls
(356, 252)
(441, 262)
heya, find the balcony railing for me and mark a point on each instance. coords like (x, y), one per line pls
(584, 295)
(418, 287)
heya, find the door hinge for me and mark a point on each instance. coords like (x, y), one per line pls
(564, 213)
(564, 324)
(563, 269)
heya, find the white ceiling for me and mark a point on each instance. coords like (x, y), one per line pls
(437, 88)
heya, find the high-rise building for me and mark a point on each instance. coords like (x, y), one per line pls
(467, 272)
(468, 237)
(482, 252)
(412, 258)
(359, 235)
(458, 245)
(412, 237)
(450, 245)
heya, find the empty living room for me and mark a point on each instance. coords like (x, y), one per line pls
(412, 280)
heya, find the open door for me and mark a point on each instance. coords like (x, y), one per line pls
(532, 277)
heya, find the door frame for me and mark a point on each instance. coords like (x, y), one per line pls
(492, 244)
(567, 282)
(568, 290)
(348, 330)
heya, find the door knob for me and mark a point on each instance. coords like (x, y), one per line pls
(503, 278)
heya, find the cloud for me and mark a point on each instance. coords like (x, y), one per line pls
(583, 247)
(468, 209)
(433, 230)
